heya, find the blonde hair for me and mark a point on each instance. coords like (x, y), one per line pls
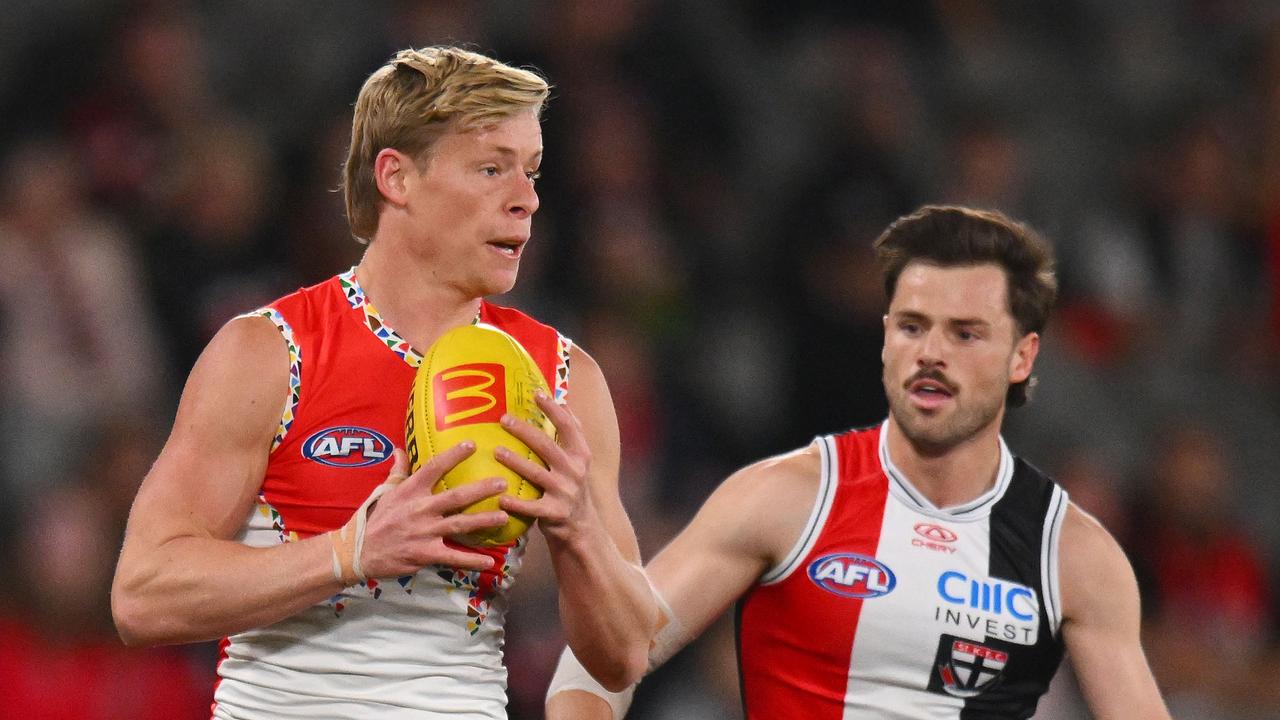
(417, 97)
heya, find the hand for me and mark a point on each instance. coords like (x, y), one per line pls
(407, 525)
(566, 502)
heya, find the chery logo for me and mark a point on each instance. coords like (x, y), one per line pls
(934, 537)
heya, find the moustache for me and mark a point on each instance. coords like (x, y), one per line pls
(931, 374)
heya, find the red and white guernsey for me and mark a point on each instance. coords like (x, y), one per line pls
(427, 645)
(888, 607)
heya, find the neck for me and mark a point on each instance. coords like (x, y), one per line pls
(950, 476)
(412, 296)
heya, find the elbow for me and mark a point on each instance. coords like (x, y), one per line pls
(632, 671)
(129, 614)
(125, 615)
(622, 671)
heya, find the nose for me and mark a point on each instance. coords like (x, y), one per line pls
(524, 200)
(931, 351)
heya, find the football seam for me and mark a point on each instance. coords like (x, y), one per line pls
(430, 397)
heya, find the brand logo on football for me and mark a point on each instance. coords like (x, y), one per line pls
(468, 394)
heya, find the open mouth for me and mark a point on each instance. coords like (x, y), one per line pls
(930, 388)
(929, 394)
(510, 247)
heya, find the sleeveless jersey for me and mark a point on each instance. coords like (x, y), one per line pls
(888, 607)
(427, 645)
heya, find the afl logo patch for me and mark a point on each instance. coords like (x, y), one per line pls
(852, 575)
(347, 446)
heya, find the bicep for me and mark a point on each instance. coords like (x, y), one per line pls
(591, 403)
(212, 464)
(745, 526)
(1102, 624)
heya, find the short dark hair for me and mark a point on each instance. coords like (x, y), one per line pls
(949, 235)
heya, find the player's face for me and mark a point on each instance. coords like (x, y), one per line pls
(951, 349)
(472, 202)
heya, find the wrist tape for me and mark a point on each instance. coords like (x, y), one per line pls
(348, 540)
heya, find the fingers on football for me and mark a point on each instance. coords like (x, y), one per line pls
(529, 508)
(567, 425)
(533, 436)
(524, 467)
(441, 463)
(465, 560)
(457, 498)
(466, 523)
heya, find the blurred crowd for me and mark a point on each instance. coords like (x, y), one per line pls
(715, 173)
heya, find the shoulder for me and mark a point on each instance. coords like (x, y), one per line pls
(246, 364)
(1094, 571)
(772, 497)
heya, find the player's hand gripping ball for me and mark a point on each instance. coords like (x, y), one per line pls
(467, 380)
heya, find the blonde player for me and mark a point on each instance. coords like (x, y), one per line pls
(258, 524)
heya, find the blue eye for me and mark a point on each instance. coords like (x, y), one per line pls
(489, 170)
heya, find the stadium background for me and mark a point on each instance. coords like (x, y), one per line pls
(715, 173)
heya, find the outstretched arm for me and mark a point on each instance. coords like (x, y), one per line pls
(746, 526)
(1101, 624)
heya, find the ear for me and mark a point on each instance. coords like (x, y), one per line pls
(390, 168)
(884, 320)
(1023, 358)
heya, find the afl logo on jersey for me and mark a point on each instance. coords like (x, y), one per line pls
(852, 575)
(347, 446)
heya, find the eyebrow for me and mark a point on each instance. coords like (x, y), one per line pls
(914, 315)
(511, 152)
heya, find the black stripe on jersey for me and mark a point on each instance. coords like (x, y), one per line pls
(737, 646)
(1047, 551)
(1017, 532)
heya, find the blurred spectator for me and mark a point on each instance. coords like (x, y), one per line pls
(1208, 597)
(217, 251)
(77, 332)
(124, 125)
(61, 659)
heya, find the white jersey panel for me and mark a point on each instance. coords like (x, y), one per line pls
(899, 631)
(362, 653)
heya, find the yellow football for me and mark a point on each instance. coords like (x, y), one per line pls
(468, 378)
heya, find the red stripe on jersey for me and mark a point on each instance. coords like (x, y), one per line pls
(352, 379)
(217, 674)
(796, 637)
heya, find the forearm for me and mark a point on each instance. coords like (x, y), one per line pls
(191, 589)
(606, 606)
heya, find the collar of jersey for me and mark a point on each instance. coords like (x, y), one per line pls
(975, 509)
(381, 330)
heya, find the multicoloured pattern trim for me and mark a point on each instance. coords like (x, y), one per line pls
(482, 586)
(355, 295)
(295, 371)
(268, 511)
(372, 589)
(561, 390)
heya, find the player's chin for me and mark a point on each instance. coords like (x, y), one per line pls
(497, 282)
